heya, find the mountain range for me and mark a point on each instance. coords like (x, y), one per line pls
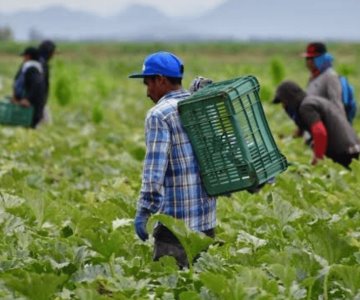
(231, 20)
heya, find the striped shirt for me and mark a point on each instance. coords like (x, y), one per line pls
(171, 182)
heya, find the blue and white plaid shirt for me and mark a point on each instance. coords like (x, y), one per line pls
(171, 181)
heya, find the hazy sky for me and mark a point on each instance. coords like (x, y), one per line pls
(109, 7)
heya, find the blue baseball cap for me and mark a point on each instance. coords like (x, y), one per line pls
(161, 63)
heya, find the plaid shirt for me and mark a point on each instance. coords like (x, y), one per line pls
(171, 181)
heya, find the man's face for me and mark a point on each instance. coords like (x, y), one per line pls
(155, 87)
(26, 57)
(310, 64)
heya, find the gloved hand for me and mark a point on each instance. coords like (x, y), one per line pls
(141, 219)
(198, 83)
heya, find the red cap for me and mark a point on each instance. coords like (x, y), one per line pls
(314, 50)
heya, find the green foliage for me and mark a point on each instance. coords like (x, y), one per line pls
(277, 70)
(68, 190)
(63, 89)
(346, 70)
(97, 114)
(266, 93)
(348, 277)
(222, 287)
(32, 285)
(192, 242)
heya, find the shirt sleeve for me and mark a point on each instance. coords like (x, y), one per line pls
(34, 87)
(334, 90)
(319, 134)
(157, 135)
(309, 115)
(312, 120)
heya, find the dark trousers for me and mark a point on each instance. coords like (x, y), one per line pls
(345, 159)
(166, 244)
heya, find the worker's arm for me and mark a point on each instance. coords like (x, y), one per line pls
(311, 117)
(320, 141)
(155, 165)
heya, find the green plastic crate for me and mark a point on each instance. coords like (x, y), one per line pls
(230, 136)
(15, 115)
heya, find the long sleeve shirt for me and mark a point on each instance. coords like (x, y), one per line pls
(171, 182)
(35, 93)
(334, 136)
(327, 85)
(30, 85)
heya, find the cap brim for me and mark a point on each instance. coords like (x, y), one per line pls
(307, 55)
(137, 76)
(276, 100)
(141, 75)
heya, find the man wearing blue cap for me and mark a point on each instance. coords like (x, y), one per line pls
(171, 183)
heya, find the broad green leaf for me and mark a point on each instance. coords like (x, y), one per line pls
(90, 294)
(34, 286)
(107, 243)
(349, 276)
(284, 211)
(244, 237)
(89, 273)
(11, 224)
(192, 241)
(121, 223)
(222, 287)
(10, 201)
(286, 274)
(189, 296)
(329, 244)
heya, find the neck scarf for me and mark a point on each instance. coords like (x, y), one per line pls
(322, 63)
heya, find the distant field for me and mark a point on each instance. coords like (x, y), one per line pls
(68, 190)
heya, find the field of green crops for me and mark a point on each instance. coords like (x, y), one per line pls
(68, 190)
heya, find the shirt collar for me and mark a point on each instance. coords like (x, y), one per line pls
(174, 94)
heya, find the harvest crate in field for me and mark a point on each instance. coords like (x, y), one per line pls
(16, 115)
(230, 135)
